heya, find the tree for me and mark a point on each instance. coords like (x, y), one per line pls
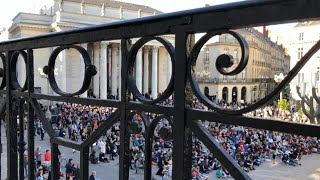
(283, 104)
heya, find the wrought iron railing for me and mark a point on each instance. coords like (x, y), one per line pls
(212, 21)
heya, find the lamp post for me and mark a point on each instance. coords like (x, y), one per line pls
(43, 75)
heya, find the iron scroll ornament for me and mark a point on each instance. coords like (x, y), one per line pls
(131, 61)
(293, 72)
(90, 70)
(13, 68)
(2, 71)
(223, 61)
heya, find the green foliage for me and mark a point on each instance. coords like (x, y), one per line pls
(283, 104)
(300, 111)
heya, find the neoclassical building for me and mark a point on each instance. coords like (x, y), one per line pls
(266, 59)
(302, 37)
(152, 59)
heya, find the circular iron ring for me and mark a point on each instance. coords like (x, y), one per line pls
(90, 70)
(13, 68)
(131, 61)
(3, 71)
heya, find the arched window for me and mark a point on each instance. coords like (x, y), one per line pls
(244, 94)
(225, 94)
(234, 94)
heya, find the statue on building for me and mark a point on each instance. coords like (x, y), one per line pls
(60, 5)
(82, 7)
(102, 10)
(121, 12)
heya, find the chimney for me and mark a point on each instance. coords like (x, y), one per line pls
(206, 5)
(265, 32)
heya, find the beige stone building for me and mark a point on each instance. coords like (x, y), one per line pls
(266, 59)
(152, 59)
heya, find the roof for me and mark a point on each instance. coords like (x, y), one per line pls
(117, 4)
(307, 23)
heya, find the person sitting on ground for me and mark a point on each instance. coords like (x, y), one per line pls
(93, 158)
(102, 158)
(220, 173)
(139, 164)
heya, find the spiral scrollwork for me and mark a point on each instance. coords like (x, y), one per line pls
(90, 70)
(223, 61)
(131, 62)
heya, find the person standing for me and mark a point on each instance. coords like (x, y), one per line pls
(93, 175)
(76, 173)
(40, 175)
(25, 165)
(37, 155)
(42, 131)
(69, 169)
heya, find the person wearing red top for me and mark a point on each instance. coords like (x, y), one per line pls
(47, 156)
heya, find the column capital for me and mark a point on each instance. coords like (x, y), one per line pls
(114, 45)
(155, 48)
(96, 44)
(146, 47)
(104, 44)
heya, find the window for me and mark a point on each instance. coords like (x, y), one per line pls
(243, 74)
(300, 53)
(206, 56)
(235, 54)
(225, 77)
(301, 36)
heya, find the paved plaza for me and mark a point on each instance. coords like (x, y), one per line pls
(310, 168)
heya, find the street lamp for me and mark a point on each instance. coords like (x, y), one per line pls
(44, 75)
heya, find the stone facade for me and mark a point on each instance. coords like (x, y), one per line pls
(266, 59)
(66, 14)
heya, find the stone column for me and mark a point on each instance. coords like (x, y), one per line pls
(96, 78)
(119, 68)
(114, 70)
(103, 70)
(109, 68)
(139, 70)
(82, 70)
(169, 68)
(62, 70)
(145, 69)
(154, 83)
(229, 94)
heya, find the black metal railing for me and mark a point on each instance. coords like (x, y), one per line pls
(210, 20)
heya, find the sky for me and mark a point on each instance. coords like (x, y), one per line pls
(12, 7)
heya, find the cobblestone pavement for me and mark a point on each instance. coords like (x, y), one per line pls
(310, 168)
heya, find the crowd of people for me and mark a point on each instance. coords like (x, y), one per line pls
(249, 147)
